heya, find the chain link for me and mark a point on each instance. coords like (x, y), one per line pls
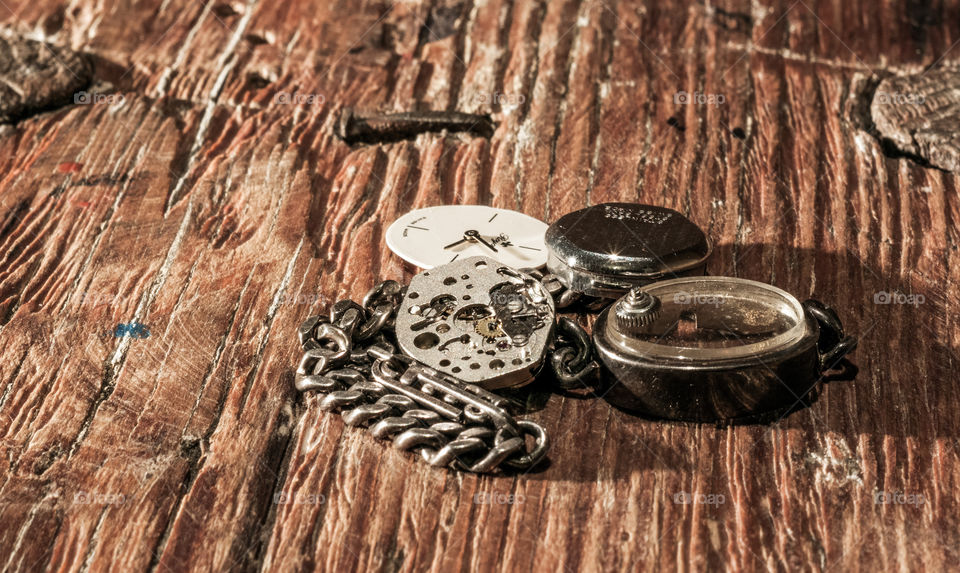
(572, 358)
(351, 357)
(562, 296)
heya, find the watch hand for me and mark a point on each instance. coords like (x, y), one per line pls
(486, 244)
(474, 235)
(455, 243)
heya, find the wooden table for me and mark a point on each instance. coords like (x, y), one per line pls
(159, 250)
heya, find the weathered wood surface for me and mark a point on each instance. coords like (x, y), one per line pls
(218, 216)
(919, 113)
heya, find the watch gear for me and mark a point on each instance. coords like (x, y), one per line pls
(489, 327)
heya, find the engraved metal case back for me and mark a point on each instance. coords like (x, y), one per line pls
(606, 249)
(478, 320)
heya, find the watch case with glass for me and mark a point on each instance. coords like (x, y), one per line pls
(716, 349)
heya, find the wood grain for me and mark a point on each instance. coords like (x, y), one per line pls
(216, 215)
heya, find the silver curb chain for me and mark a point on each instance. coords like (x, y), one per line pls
(350, 356)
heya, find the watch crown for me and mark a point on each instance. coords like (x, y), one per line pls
(636, 310)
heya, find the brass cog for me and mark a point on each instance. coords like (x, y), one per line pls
(488, 327)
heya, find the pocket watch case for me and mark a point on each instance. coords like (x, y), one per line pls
(606, 249)
(716, 349)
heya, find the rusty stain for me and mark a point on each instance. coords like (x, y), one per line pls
(69, 167)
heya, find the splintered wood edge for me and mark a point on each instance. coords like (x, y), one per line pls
(919, 114)
(36, 76)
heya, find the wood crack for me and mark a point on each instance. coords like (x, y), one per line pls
(268, 322)
(280, 471)
(14, 216)
(217, 354)
(526, 105)
(21, 535)
(225, 64)
(192, 448)
(562, 112)
(105, 221)
(192, 452)
(599, 88)
(115, 363)
(9, 386)
(94, 540)
(163, 84)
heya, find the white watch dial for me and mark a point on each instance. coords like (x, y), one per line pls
(439, 235)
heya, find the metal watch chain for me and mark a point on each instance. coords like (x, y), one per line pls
(351, 357)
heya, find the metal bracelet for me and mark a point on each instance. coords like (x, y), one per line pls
(350, 358)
